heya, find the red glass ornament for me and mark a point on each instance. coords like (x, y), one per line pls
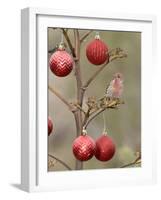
(83, 147)
(105, 148)
(61, 63)
(97, 52)
(50, 126)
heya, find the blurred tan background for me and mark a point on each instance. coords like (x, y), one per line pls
(124, 124)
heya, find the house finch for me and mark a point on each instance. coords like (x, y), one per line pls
(115, 88)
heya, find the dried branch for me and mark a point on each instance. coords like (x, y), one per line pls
(77, 44)
(92, 107)
(130, 164)
(69, 42)
(109, 104)
(92, 117)
(116, 53)
(135, 162)
(93, 76)
(113, 55)
(54, 91)
(79, 107)
(70, 106)
(86, 116)
(85, 36)
(77, 123)
(78, 115)
(92, 104)
(51, 163)
(78, 75)
(60, 161)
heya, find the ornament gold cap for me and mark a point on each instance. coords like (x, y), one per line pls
(84, 131)
(104, 133)
(97, 36)
(61, 46)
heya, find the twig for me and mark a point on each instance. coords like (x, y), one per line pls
(60, 161)
(118, 53)
(130, 164)
(77, 110)
(112, 104)
(79, 107)
(92, 117)
(71, 108)
(69, 42)
(135, 162)
(92, 106)
(51, 163)
(113, 55)
(86, 116)
(93, 76)
(84, 36)
(54, 91)
(77, 123)
(77, 44)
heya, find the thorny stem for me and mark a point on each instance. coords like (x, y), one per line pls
(60, 161)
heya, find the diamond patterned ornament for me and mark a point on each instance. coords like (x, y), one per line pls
(97, 51)
(61, 63)
(105, 148)
(83, 147)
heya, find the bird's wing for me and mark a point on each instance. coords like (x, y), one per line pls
(109, 89)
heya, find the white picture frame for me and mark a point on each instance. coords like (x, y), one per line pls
(34, 174)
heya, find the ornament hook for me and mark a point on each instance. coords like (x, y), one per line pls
(104, 125)
(61, 44)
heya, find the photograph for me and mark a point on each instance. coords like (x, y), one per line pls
(94, 99)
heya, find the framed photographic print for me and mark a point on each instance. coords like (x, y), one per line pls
(86, 104)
